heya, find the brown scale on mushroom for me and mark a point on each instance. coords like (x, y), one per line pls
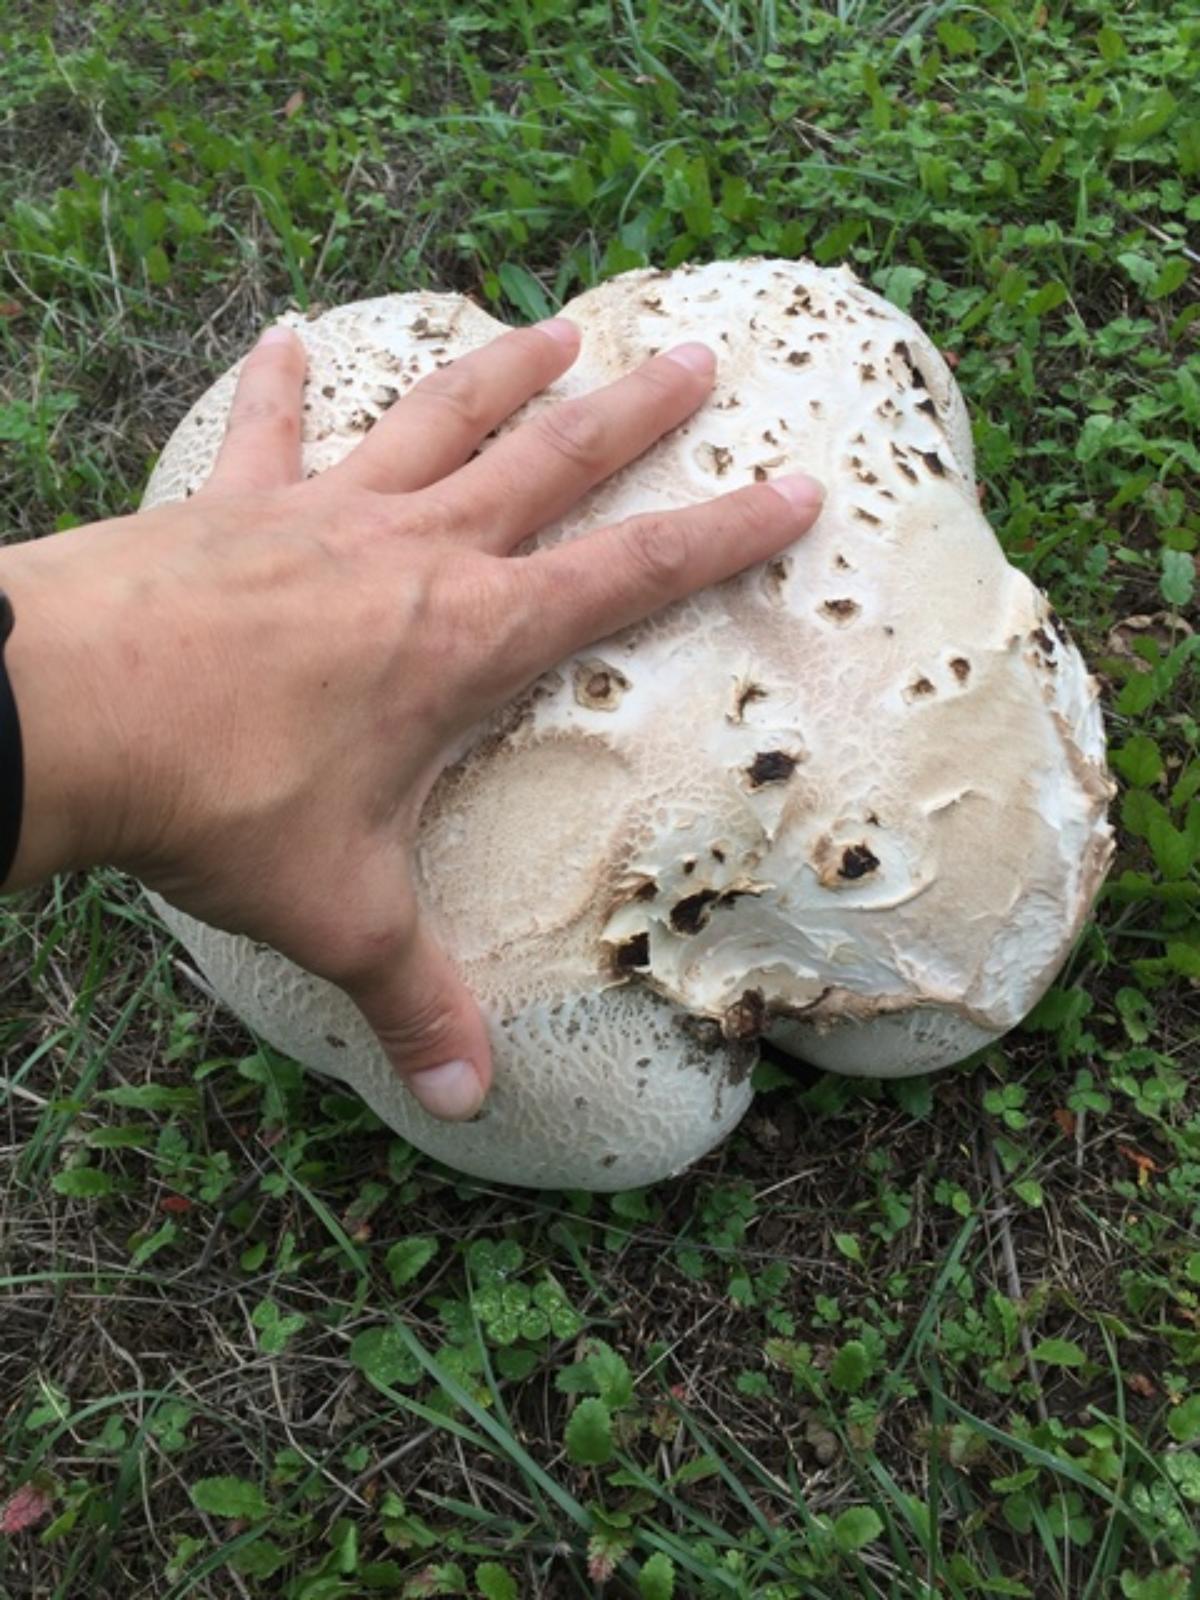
(920, 689)
(771, 766)
(717, 458)
(633, 955)
(597, 684)
(746, 1017)
(857, 861)
(690, 914)
(744, 694)
(775, 576)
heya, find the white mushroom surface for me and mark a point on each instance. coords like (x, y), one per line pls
(852, 801)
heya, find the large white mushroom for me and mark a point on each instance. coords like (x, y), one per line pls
(852, 802)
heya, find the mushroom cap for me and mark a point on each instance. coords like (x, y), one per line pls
(851, 801)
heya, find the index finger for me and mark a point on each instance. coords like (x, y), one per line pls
(532, 476)
(588, 588)
(261, 447)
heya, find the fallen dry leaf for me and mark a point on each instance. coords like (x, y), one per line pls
(24, 1509)
(1065, 1118)
(1145, 1164)
(293, 103)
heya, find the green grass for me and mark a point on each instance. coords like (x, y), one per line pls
(934, 1338)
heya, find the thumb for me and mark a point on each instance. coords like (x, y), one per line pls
(430, 1025)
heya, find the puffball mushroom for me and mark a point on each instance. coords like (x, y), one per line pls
(851, 801)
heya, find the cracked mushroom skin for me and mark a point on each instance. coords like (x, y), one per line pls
(852, 801)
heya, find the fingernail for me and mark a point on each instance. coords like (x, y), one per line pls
(561, 329)
(800, 491)
(695, 357)
(450, 1091)
(277, 333)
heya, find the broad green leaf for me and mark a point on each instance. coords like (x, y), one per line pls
(83, 1183)
(1174, 849)
(851, 1367)
(230, 1497)
(525, 292)
(151, 1097)
(1139, 760)
(1140, 268)
(494, 1583)
(1048, 298)
(959, 41)
(1059, 1353)
(405, 1260)
(899, 284)
(857, 1526)
(1173, 276)
(656, 1580)
(1178, 581)
(1155, 113)
(262, 1559)
(589, 1437)
(1183, 1421)
(913, 1095)
(382, 1355)
(1093, 436)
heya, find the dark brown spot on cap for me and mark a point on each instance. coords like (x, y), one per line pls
(775, 575)
(598, 684)
(857, 861)
(690, 915)
(745, 695)
(843, 610)
(745, 1017)
(770, 766)
(961, 668)
(634, 954)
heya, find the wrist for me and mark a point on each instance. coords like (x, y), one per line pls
(78, 769)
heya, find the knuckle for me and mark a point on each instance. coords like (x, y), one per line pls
(659, 549)
(426, 1032)
(660, 379)
(457, 392)
(576, 432)
(743, 514)
(265, 415)
(364, 518)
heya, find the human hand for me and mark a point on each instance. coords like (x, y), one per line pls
(245, 697)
